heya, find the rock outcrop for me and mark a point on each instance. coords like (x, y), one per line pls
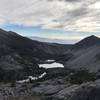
(52, 90)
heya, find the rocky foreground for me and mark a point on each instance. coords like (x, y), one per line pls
(53, 89)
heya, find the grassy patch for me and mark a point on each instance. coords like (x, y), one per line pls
(81, 76)
(25, 98)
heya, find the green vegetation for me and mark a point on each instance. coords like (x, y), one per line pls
(81, 76)
(13, 83)
(25, 98)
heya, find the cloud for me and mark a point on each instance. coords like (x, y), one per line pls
(72, 0)
(66, 0)
(67, 15)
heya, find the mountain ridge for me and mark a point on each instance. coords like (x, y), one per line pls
(20, 56)
(49, 40)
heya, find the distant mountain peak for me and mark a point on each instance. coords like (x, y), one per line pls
(88, 41)
(92, 37)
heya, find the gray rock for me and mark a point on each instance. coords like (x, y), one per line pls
(48, 89)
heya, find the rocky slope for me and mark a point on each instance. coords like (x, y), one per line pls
(53, 89)
(86, 54)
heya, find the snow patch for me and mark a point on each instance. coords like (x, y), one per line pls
(32, 78)
(49, 60)
(52, 65)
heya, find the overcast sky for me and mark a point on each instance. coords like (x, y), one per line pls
(64, 19)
